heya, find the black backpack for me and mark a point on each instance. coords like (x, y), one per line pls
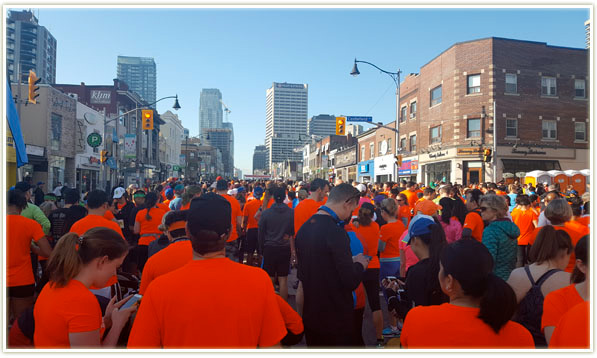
(530, 308)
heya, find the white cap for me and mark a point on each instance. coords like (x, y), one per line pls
(233, 191)
(118, 193)
(362, 188)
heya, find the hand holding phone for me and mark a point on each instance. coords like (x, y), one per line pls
(135, 300)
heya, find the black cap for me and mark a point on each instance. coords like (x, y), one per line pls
(279, 194)
(209, 212)
(23, 186)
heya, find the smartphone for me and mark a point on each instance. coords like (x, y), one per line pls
(369, 257)
(391, 278)
(132, 301)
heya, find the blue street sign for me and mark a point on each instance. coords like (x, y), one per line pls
(111, 163)
(359, 119)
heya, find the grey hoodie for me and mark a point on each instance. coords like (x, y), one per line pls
(274, 223)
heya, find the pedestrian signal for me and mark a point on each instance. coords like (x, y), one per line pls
(340, 125)
(487, 155)
(147, 118)
(33, 88)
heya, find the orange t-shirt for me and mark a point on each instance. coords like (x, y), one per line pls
(451, 326)
(186, 206)
(92, 221)
(369, 237)
(149, 226)
(303, 211)
(249, 211)
(576, 232)
(557, 303)
(192, 307)
(174, 256)
(60, 311)
(584, 220)
(411, 196)
(165, 206)
(108, 215)
(524, 220)
(292, 320)
(236, 212)
(390, 234)
(573, 330)
(19, 233)
(474, 222)
(404, 212)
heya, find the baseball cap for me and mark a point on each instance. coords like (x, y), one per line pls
(118, 193)
(258, 192)
(233, 191)
(361, 187)
(139, 194)
(40, 183)
(419, 227)
(218, 178)
(22, 186)
(427, 207)
(209, 212)
(415, 218)
(168, 191)
(379, 198)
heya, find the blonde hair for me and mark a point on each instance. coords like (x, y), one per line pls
(389, 206)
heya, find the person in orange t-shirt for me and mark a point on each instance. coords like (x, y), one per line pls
(175, 312)
(473, 223)
(250, 226)
(526, 219)
(308, 207)
(236, 217)
(66, 313)
(20, 232)
(404, 213)
(97, 206)
(389, 247)
(368, 231)
(147, 222)
(558, 302)
(293, 322)
(466, 265)
(190, 192)
(573, 331)
(177, 254)
(411, 194)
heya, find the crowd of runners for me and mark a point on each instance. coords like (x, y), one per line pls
(206, 265)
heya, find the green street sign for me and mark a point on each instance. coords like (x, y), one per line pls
(94, 140)
(176, 168)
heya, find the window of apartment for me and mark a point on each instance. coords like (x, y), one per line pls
(512, 128)
(511, 83)
(56, 131)
(403, 143)
(474, 84)
(413, 143)
(473, 128)
(371, 150)
(436, 96)
(435, 134)
(579, 88)
(362, 153)
(549, 129)
(548, 86)
(413, 109)
(580, 131)
(389, 145)
(379, 147)
(402, 114)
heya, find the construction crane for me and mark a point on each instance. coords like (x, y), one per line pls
(225, 109)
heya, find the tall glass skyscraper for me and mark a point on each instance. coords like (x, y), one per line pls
(285, 121)
(139, 73)
(210, 110)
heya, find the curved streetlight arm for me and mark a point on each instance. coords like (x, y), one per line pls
(395, 75)
(137, 108)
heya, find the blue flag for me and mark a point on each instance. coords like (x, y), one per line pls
(15, 128)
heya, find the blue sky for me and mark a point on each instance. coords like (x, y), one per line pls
(242, 51)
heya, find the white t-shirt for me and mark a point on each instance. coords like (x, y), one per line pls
(543, 220)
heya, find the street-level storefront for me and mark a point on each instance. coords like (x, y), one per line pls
(366, 171)
(384, 168)
(409, 169)
(37, 168)
(436, 165)
(87, 172)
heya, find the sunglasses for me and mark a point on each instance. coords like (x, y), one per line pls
(399, 200)
(483, 208)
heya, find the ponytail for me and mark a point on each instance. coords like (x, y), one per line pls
(72, 252)
(151, 199)
(365, 216)
(498, 303)
(580, 253)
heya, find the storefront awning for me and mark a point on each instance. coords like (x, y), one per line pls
(527, 165)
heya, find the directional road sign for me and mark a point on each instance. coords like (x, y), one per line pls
(359, 119)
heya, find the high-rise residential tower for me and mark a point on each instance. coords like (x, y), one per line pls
(322, 125)
(286, 121)
(210, 110)
(30, 45)
(139, 73)
(259, 159)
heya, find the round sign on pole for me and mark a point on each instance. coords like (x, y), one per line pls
(94, 140)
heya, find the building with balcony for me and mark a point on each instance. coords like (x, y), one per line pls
(139, 73)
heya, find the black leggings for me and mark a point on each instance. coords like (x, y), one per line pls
(371, 283)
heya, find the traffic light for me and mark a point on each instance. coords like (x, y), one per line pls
(340, 125)
(33, 88)
(103, 156)
(398, 159)
(147, 118)
(487, 155)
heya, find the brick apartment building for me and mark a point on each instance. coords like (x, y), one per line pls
(537, 93)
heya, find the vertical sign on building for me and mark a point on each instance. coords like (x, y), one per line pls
(130, 146)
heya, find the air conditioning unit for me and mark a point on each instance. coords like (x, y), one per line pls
(412, 115)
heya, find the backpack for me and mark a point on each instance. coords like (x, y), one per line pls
(530, 308)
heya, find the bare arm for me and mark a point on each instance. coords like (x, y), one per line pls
(137, 228)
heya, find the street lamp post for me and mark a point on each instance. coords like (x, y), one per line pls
(396, 78)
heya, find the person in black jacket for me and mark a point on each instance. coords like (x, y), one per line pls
(275, 231)
(328, 271)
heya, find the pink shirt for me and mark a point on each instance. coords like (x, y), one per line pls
(411, 258)
(453, 230)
